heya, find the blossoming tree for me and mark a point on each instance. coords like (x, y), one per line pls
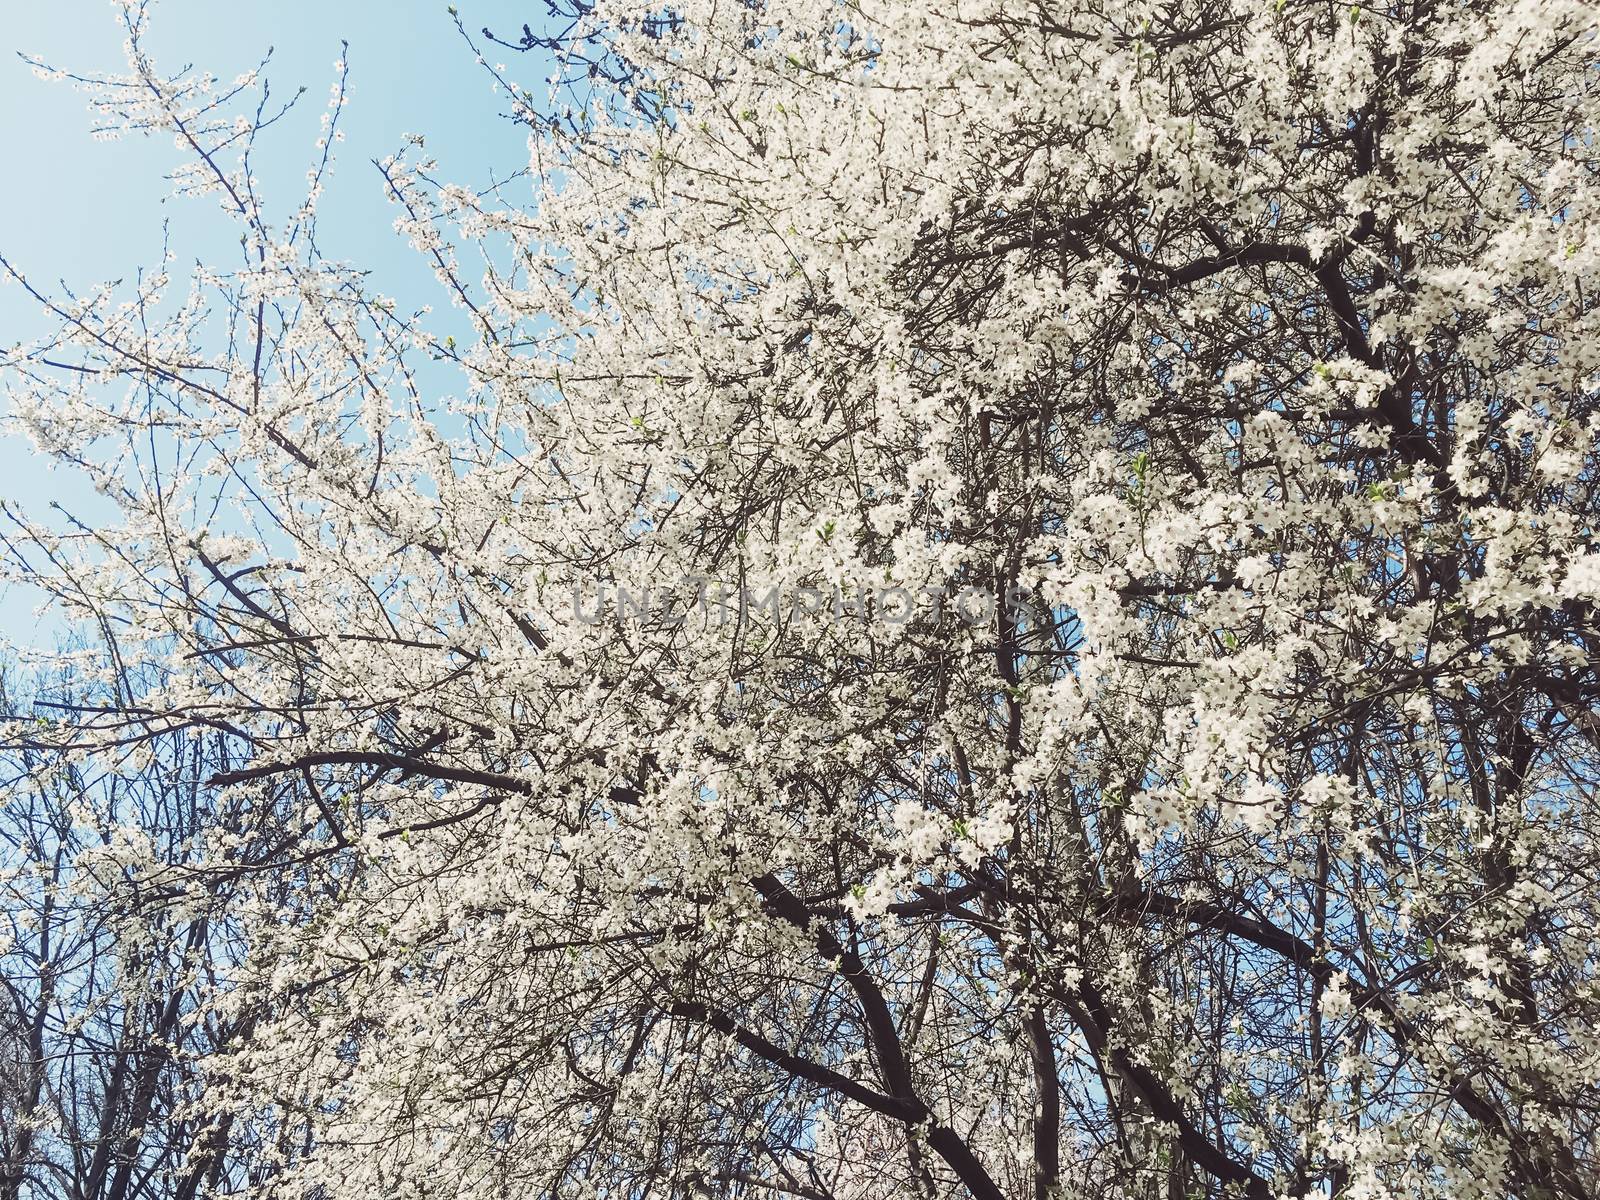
(1234, 361)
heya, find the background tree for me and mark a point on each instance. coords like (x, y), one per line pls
(1247, 848)
(112, 944)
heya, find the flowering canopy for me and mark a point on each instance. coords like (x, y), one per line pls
(1235, 362)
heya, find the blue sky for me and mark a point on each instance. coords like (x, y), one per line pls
(81, 211)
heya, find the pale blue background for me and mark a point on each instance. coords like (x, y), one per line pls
(80, 211)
